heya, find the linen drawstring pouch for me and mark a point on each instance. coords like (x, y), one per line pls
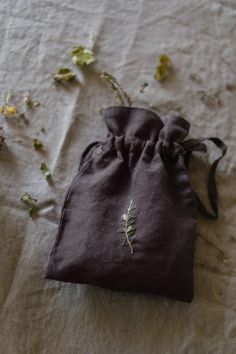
(129, 216)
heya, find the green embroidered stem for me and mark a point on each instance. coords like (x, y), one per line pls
(128, 222)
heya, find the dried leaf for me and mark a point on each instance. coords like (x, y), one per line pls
(64, 75)
(162, 68)
(45, 171)
(82, 56)
(30, 201)
(37, 144)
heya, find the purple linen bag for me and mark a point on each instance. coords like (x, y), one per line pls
(129, 217)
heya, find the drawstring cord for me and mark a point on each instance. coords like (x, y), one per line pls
(192, 145)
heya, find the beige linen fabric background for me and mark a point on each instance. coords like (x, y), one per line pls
(39, 316)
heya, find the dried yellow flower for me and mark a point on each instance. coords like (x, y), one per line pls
(10, 111)
(162, 68)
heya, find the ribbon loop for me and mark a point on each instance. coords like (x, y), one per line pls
(192, 145)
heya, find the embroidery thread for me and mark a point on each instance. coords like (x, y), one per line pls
(128, 226)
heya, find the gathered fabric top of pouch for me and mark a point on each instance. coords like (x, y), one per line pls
(145, 124)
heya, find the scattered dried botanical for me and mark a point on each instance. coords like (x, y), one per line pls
(45, 171)
(82, 56)
(37, 144)
(121, 96)
(63, 75)
(128, 226)
(162, 68)
(30, 201)
(29, 103)
(7, 109)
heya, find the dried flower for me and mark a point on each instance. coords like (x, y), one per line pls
(30, 201)
(29, 103)
(9, 111)
(128, 229)
(37, 144)
(82, 56)
(121, 95)
(162, 68)
(45, 171)
(64, 75)
(6, 109)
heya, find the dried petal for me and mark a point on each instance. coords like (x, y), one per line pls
(30, 201)
(162, 68)
(82, 56)
(45, 171)
(64, 75)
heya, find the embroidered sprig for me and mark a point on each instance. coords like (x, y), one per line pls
(128, 226)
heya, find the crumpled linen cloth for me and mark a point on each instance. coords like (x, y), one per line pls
(43, 316)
